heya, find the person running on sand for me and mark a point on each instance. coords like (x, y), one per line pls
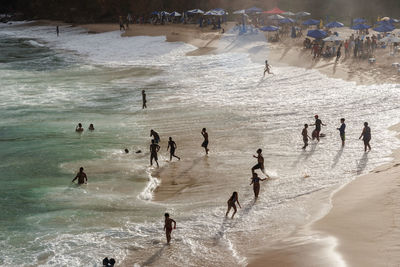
(79, 128)
(342, 131)
(231, 204)
(260, 162)
(173, 146)
(366, 135)
(155, 136)
(267, 68)
(144, 101)
(154, 148)
(205, 142)
(305, 135)
(168, 227)
(316, 132)
(81, 176)
(255, 181)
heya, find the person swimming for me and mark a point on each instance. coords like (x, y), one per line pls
(231, 204)
(81, 176)
(79, 128)
(172, 147)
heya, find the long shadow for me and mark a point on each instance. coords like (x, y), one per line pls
(299, 158)
(312, 151)
(156, 256)
(362, 163)
(337, 157)
(334, 67)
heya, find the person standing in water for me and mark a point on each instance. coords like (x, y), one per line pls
(231, 204)
(342, 132)
(260, 162)
(305, 135)
(57, 31)
(81, 176)
(316, 132)
(155, 136)
(205, 142)
(267, 68)
(366, 135)
(144, 100)
(255, 181)
(168, 227)
(154, 148)
(173, 146)
(79, 128)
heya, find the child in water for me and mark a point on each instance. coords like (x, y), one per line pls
(168, 227)
(231, 204)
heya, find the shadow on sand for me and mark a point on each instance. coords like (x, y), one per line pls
(362, 163)
(156, 256)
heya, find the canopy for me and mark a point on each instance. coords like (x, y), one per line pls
(360, 27)
(269, 29)
(276, 17)
(286, 21)
(359, 21)
(390, 39)
(317, 34)
(164, 13)
(274, 11)
(302, 14)
(175, 14)
(196, 11)
(288, 13)
(334, 24)
(333, 38)
(311, 22)
(384, 28)
(253, 10)
(216, 12)
(242, 11)
(385, 19)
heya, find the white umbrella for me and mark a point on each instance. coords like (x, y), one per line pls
(333, 38)
(196, 11)
(303, 14)
(385, 18)
(276, 17)
(390, 39)
(239, 11)
(288, 13)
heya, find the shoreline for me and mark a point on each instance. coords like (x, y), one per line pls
(363, 220)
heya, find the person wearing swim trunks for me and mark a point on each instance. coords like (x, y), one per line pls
(342, 131)
(316, 132)
(260, 162)
(255, 181)
(231, 204)
(155, 136)
(366, 135)
(172, 146)
(305, 135)
(81, 176)
(154, 148)
(168, 227)
(205, 142)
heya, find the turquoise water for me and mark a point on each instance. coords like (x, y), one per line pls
(50, 84)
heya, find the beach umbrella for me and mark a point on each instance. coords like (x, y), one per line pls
(196, 11)
(154, 13)
(390, 39)
(164, 13)
(286, 21)
(385, 19)
(358, 21)
(317, 34)
(253, 10)
(333, 38)
(242, 11)
(276, 17)
(311, 22)
(175, 14)
(269, 29)
(334, 24)
(303, 14)
(360, 27)
(384, 28)
(274, 11)
(288, 13)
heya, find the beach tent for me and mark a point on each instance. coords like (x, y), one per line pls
(269, 28)
(358, 21)
(360, 27)
(196, 11)
(274, 11)
(333, 38)
(302, 14)
(317, 34)
(242, 11)
(276, 17)
(175, 14)
(253, 10)
(286, 21)
(311, 22)
(384, 28)
(334, 24)
(288, 13)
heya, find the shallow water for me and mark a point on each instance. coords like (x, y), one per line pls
(49, 84)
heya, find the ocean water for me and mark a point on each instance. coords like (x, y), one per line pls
(49, 84)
